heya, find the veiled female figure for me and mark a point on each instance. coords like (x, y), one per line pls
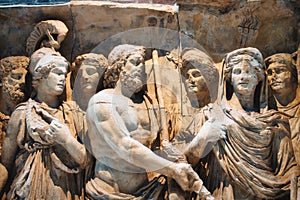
(41, 139)
(245, 149)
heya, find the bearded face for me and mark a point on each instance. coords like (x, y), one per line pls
(14, 85)
(133, 74)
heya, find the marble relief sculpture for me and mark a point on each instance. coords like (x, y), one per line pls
(200, 77)
(123, 128)
(14, 87)
(283, 81)
(87, 77)
(14, 81)
(128, 135)
(41, 150)
(48, 33)
(245, 150)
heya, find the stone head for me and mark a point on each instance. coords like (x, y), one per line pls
(124, 61)
(14, 79)
(200, 75)
(282, 72)
(87, 72)
(244, 69)
(45, 66)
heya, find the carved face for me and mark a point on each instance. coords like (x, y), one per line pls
(132, 76)
(244, 78)
(88, 78)
(55, 82)
(195, 82)
(279, 77)
(14, 85)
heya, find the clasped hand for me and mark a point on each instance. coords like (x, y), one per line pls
(58, 132)
(186, 177)
(212, 131)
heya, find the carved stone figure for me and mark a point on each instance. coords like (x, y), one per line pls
(245, 150)
(283, 81)
(13, 88)
(48, 33)
(13, 71)
(87, 77)
(122, 131)
(200, 77)
(41, 141)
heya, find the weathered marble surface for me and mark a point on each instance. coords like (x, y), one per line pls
(270, 25)
(215, 28)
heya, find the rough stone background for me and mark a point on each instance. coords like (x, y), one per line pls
(218, 26)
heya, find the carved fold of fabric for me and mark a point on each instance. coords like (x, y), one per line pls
(45, 170)
(258, 158)
(38, 122)
(102, 187)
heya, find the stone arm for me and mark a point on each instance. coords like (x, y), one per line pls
(111, 126)
(210, 133)
(63, 136)
(10, 145)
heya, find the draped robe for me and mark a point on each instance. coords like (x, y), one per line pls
(45, 170)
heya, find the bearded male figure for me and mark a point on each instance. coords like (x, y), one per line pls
(13, 90)
(122, 132)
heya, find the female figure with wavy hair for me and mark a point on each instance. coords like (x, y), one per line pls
(245, 149)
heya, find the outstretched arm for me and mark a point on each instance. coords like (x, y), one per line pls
(210, 133)
(107, 121)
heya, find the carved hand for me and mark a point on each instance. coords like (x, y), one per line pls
(212, 131)
(60, 132)
(186, 177)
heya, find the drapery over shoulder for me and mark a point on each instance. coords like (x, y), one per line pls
(256, 158)
(44, 169)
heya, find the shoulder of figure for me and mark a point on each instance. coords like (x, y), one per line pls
(71, 105)
(100, 103)
(23, 105)
(107, 96)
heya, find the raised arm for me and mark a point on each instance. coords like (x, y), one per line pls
(63, 136)
(210, 133)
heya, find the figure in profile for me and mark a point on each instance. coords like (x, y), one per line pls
(200, 77)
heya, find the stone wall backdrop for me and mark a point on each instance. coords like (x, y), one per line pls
(218, 26)
(221, 26)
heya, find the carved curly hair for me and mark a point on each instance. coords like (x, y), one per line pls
(117, 59)
(44, 66)
(97, 60)
(10, 63)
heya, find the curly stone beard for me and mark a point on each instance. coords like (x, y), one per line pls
(16, 93)
(133, 81)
